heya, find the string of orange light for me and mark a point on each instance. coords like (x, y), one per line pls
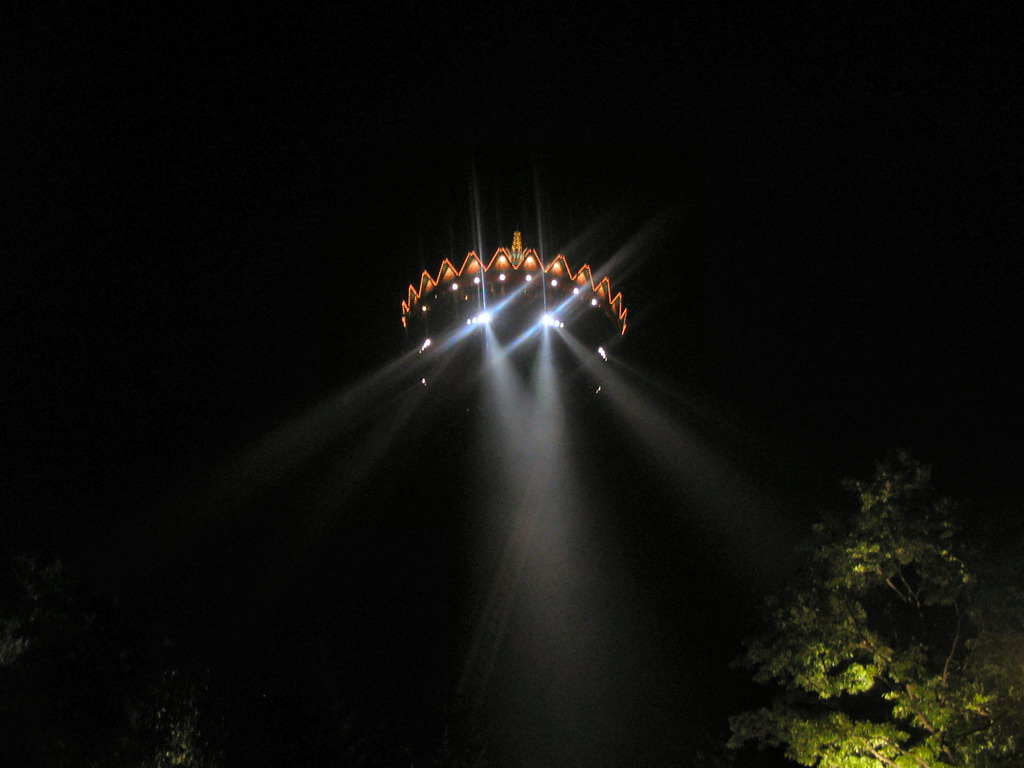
(502, 261)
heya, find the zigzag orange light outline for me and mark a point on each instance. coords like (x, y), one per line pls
(500, 252)
(581, 277)
(559, 264)
(467, 264)
(450, 274)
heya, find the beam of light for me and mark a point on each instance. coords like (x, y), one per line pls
(506, 397)
(697, 409)
(325, 498)
(530, 331)
(541, 251)
(554, 452)
(567, 306)
(709, 484)
(503, 433)
(478, 230)
(461, 332)
(548, 400)
(523, 337)
(634, 252)
(486, 317)
(378, 428)
(538, 492)
(286, 450)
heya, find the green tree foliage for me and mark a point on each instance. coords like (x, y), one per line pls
(172, 726)
(895, 646)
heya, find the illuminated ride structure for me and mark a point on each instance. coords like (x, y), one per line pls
(514, 294)
(509, 311)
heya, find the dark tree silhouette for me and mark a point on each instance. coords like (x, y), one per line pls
(84, 683)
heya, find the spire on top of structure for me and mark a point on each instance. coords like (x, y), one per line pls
(517, 248)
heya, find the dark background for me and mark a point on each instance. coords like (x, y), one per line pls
(212, 219)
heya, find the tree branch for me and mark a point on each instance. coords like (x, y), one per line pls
(867, 640)
(928, 726)
(882, 758)
(896, 589)
(917, 710)
(916, 758)
(910, 590)
(952, 650)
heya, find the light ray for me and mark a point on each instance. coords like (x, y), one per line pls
(710, 485)
(287, 449)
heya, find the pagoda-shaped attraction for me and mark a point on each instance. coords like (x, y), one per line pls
(512, 349)
(513, 293)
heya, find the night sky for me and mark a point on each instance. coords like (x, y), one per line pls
(211, 221)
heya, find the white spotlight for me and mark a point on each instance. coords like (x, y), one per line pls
(554, 283)
(529, 278)
(483, 317)
(501, 277)
(476, 281)
(550, 321)
(424, 307)
(575, 291)
(455, 286)
(426, 343)
(602, 353)
(593, 302)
